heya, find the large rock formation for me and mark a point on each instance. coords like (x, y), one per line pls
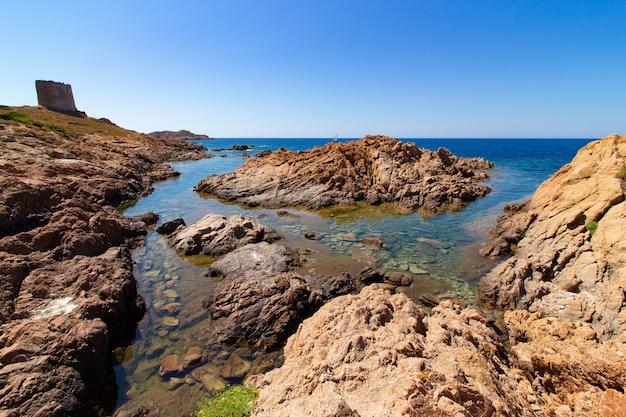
(569, 251)
(374, 169)
(67, 293)
(376, 354)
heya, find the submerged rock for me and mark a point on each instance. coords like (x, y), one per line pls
(374, 169)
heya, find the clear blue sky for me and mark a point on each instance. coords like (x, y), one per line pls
(316, 68)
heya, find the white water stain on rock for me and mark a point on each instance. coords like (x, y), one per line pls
(55, 308)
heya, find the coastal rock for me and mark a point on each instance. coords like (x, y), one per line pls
(170, 227)
(570, 247)
(261, 311)
(255, 259)
(376, 354)
(574, 373)
(67, 294)
(374, 169)
(216, 235)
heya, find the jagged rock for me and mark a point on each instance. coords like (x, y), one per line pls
(170, 226)
(67, 293)
(559, 267)
(375, 351)
(374, 169)
(216, 235)
(262, 311)
(255, 259)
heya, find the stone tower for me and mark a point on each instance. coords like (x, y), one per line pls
(55, 96)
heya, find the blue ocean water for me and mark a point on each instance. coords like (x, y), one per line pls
(448, 269)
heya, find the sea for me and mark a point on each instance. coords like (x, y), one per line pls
(441, 252)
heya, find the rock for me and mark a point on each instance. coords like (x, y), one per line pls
(192, 357)
(312, 236)
(209, 377)
(216, 235)
(262, 311)
(170, 322)
(171, 364)
(433, 242)
(255, 259)
(235, 367)
(285, 213)
(369, 275)
(374, 169)
(171, 294)
(67, 294)
(376, 351)
(428, 299)
(399, 278)
(171, 308)
(559, 267)
(154, 351)
(170, 226)
(373, 241)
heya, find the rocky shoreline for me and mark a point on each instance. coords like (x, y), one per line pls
(376, 353)
(68, 296)
(67, 293)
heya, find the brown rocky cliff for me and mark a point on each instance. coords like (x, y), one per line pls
(67, 293)
(571, 255)
(374, 169)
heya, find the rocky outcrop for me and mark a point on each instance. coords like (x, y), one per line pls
(216, 235)
(263, 311)
(374, 170)
(259, 302)
(180, 135)
(67, 293)
(569, 252)
(377, 353)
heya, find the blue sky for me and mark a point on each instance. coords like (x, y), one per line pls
(304, 68)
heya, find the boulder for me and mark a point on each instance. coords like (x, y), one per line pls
(374, 169)
(261, 310)
(216, 235)
(362, 354)
(255, 259)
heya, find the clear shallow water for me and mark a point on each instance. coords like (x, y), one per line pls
(441, 250)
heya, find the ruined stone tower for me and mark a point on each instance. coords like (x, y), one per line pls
(55, 96)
